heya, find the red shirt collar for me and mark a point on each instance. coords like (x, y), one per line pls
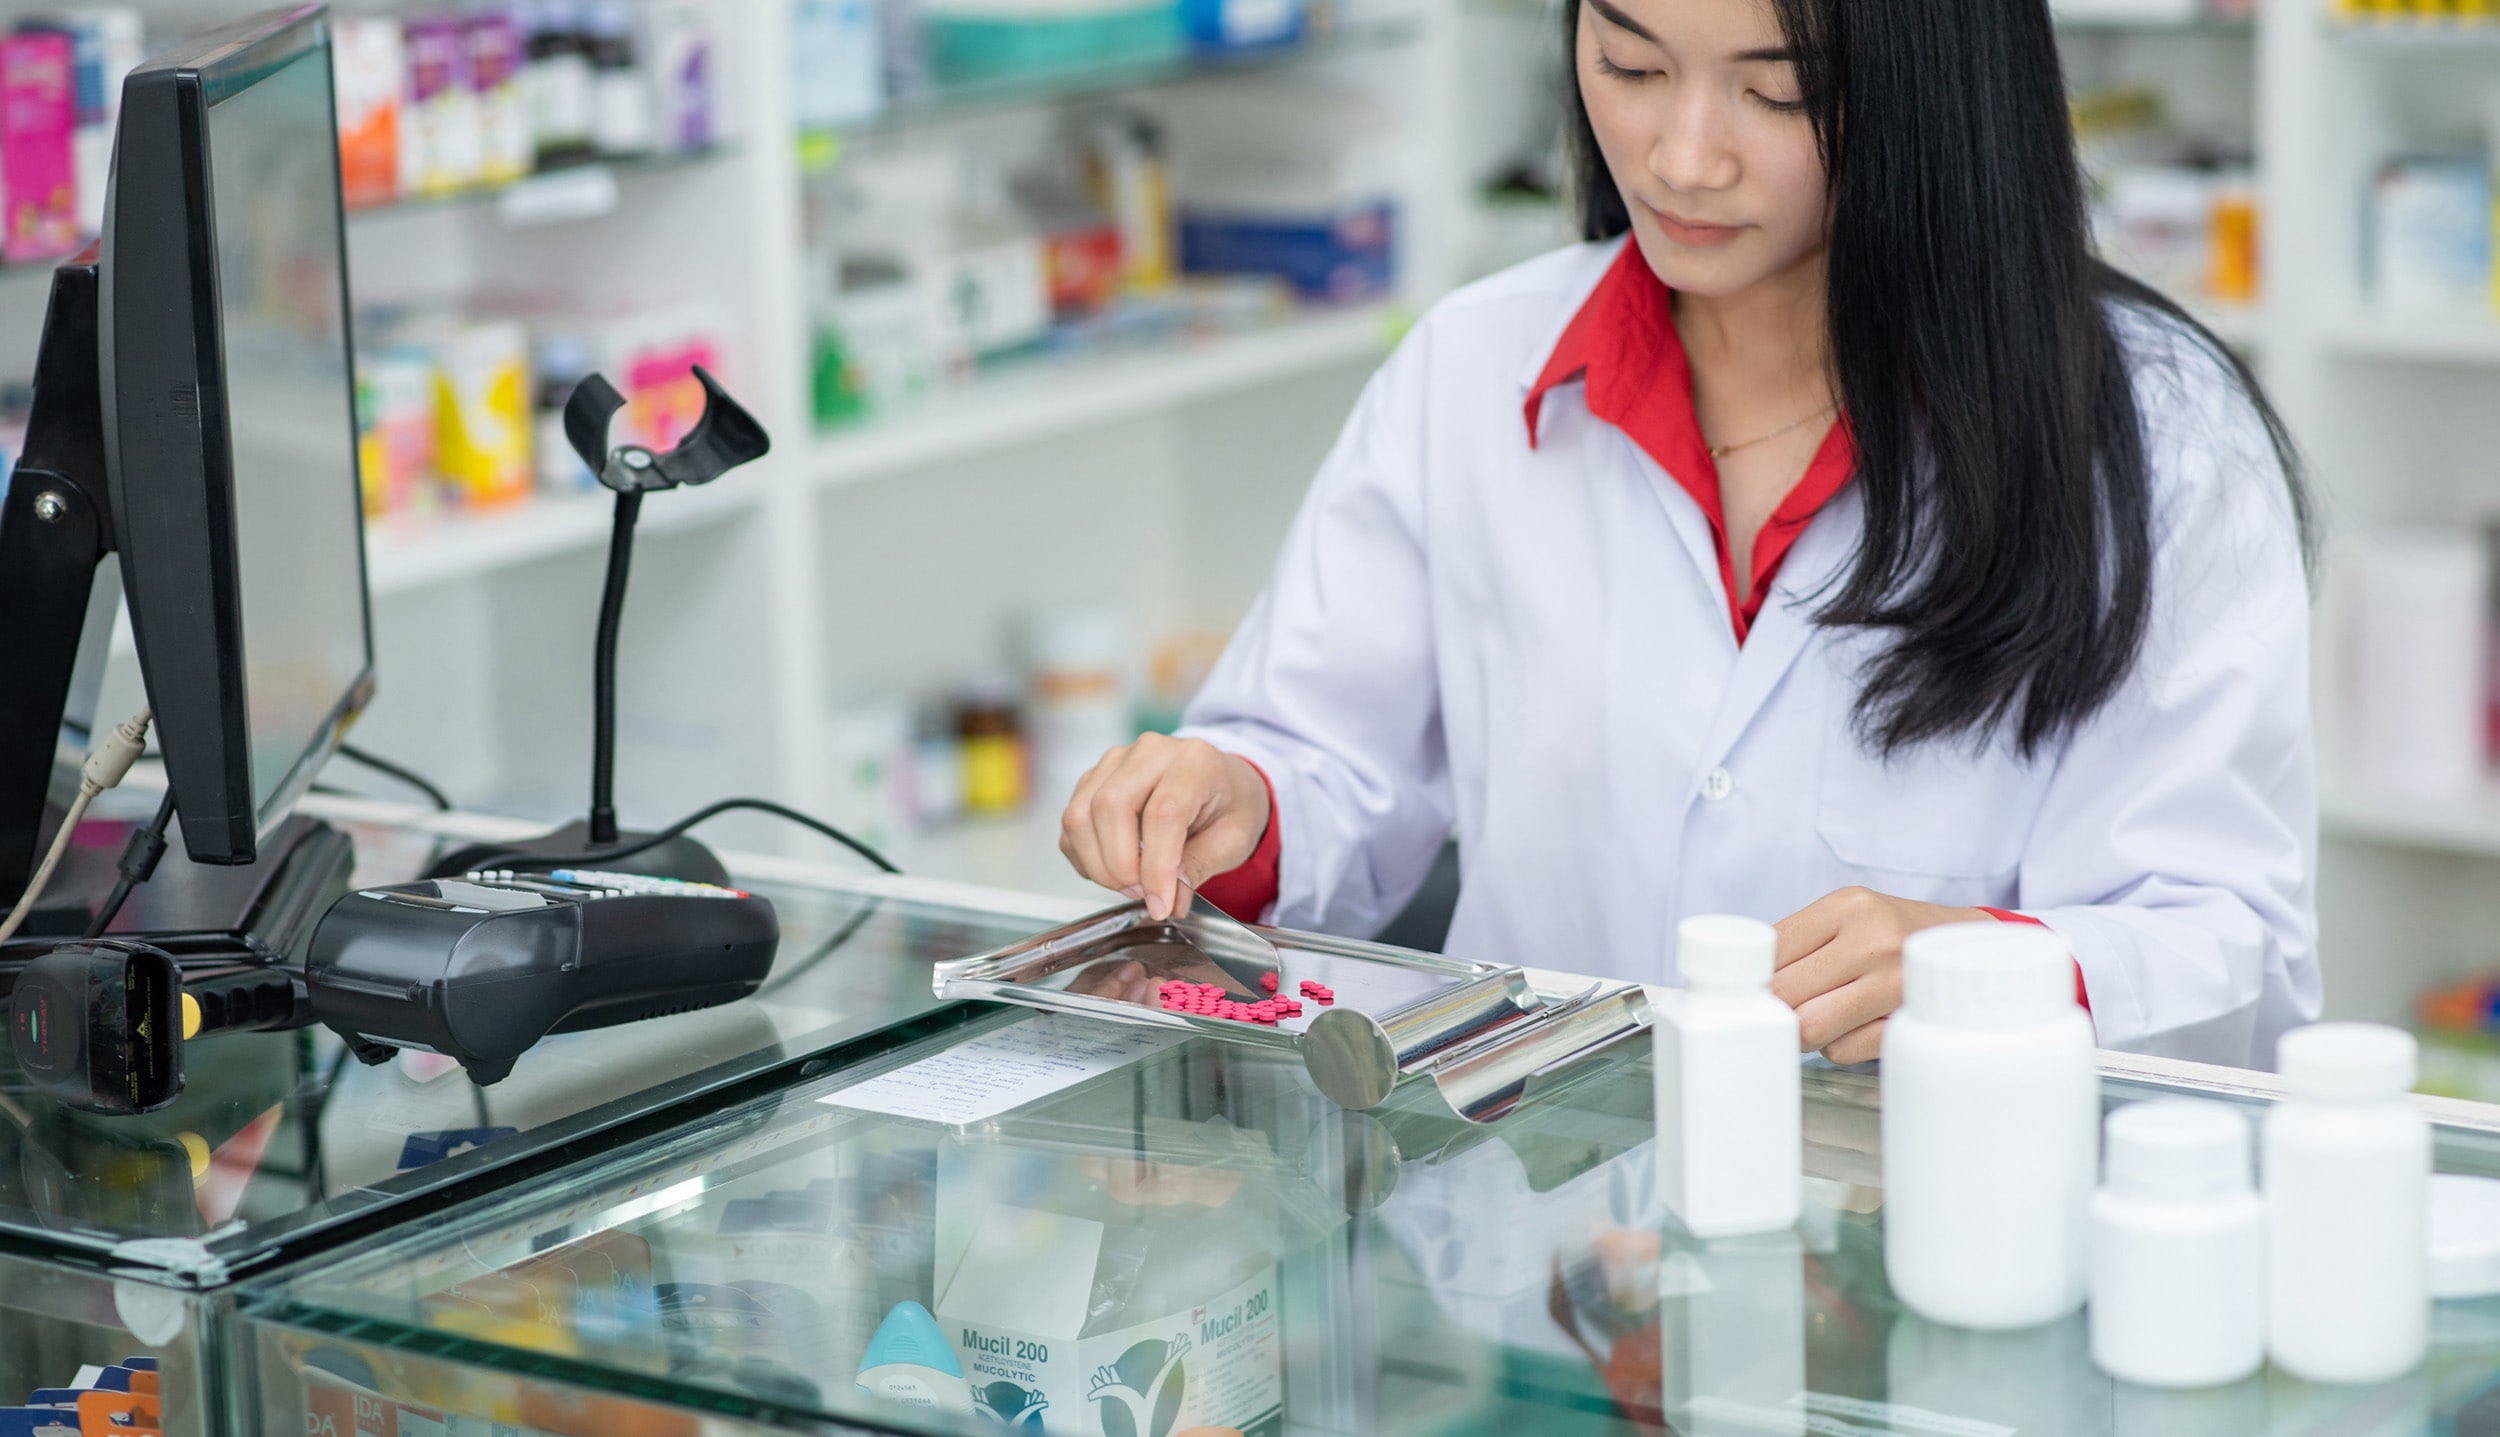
(1623, 347)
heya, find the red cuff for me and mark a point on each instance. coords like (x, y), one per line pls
(1246, 892)
(2003, 915)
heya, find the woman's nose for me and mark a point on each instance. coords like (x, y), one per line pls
(1691, 153)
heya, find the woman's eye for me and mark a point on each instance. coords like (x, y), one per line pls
(1606, 66)
(1783, 107)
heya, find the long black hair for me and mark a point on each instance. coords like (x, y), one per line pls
(2008, 542)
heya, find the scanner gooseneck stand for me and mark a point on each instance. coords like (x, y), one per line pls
(724, 438)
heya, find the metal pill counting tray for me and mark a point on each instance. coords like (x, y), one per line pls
(1485, 1037)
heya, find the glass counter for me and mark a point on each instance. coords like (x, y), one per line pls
(123, 1237)
(1196, 1243)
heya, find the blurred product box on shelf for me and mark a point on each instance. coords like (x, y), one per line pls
(397, 430)
(2414, 11)
(978, 41)
(837, 62)
(621, 99)
(678, 51)
(38, 124)
(2409, 637)
(497, 55)
(487, 442)
(369, 57)
(2187, 230)
(1220, 26)
(2429, 236)
(1290, 181)
(105, 46)
(443, 149)
(778, 1278)
(2459, 1027)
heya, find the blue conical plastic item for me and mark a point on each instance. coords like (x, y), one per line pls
(910, 1337)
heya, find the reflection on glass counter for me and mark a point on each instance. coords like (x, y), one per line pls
(1194, 1242)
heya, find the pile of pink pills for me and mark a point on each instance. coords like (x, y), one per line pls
(1206, 1000)
(1318, 992)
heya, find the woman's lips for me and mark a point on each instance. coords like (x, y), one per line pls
(1687, 232)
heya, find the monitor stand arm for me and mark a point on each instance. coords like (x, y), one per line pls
(725, 437)
(56, 526)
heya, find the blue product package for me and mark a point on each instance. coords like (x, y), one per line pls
(38, 1422)
(1348, 256)
(1234, 26)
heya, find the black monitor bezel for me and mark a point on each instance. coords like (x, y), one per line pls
(168, 442)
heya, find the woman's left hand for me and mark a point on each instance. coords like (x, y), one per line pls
(1840, 965)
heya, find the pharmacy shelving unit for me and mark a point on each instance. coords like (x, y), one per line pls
(889, 558)
(2397, 416)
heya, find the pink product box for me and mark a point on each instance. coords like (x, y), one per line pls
(38, 172)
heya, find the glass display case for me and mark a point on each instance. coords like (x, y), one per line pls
(1192, 1241)
(124, 1237)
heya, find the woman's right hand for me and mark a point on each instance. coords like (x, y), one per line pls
(1162, 813)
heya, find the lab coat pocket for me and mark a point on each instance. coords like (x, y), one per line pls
(1940, 811)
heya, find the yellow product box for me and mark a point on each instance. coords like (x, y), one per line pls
(482, 389)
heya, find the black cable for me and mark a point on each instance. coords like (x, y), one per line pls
(603, 671)
(138, 863)
(821, 952)
(407, 776)
(679, 830)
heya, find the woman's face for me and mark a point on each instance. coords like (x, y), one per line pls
(1699, 115)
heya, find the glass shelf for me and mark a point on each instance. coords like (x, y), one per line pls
(1198, 1221)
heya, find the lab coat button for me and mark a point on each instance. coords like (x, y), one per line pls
(1718, 785)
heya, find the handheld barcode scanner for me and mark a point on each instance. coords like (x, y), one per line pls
(99, 1026)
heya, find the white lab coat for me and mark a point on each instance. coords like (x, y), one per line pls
(1533, 646)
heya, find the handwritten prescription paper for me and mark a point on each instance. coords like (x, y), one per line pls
(1002, 1071)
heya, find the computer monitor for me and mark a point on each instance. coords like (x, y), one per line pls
(229, 421)
(194, 411)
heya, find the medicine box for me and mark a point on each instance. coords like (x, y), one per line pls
(1019, 1310)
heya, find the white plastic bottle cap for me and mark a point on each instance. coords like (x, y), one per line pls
(1719, 951)
(1986, 973)
(2347, 1061)
(2178, 1148)
(2465, 1236)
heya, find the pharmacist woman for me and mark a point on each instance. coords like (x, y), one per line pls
(1831, 540)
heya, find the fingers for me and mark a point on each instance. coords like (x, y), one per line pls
(1819, 922)
(1826, 1019)
(1858, 1045)
(1164, 831)
(1076, 822)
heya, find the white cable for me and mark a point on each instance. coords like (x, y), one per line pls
(107, 764)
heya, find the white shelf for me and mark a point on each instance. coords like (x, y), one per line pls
(2416, 37)
(2470, 338)
(2468, 823)
(1044, 398)
(408, 552)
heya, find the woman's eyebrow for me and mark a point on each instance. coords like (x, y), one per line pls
(1777, 55)
(1615, 16)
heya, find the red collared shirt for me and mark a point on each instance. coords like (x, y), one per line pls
(1623, 348)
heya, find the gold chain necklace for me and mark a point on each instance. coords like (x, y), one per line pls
(1721, 451)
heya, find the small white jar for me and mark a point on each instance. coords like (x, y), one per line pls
(2178, 1248)
(2348, 1174)
(1992, 1115)
(1730, 1097)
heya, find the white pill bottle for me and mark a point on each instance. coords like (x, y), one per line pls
(2348, 1174)
(2178, 1248)
(1991, 1108)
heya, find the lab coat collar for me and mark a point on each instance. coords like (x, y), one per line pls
(1786, 625)
(1598, 262)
